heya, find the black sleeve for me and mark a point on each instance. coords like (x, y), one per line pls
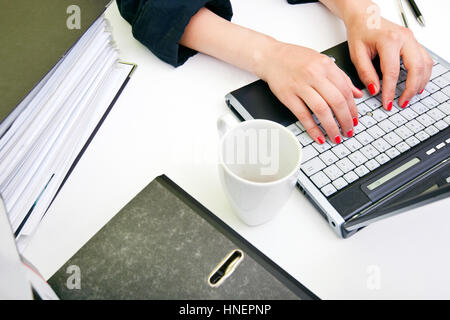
(159, 24)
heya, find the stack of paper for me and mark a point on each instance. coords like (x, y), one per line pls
(44, 135)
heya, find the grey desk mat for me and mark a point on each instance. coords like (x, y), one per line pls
(164, 245)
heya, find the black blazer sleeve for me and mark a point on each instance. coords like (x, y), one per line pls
(159, 24)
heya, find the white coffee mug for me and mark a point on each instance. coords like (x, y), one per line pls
(259, 163)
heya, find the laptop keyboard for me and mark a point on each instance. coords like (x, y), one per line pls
(380, 135)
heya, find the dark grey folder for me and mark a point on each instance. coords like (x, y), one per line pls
(165, 245)
(34, 36)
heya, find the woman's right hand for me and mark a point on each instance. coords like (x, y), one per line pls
(307, 81)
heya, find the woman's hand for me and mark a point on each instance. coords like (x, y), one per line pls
(309, 82)
(390, 42)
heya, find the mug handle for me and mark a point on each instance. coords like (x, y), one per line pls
(225, 123)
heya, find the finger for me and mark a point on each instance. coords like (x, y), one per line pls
(414, 64)
(366, 71)
(323, 112)
(428, 69)
(338, 103)
(390, 68)
(348, 90)
(301, 111)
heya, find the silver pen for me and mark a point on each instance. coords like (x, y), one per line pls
(402, 12)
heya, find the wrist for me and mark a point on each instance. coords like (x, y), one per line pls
(352, 11)
(262, 54)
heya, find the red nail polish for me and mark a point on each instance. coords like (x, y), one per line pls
(405, 104)
(389, 106)
(320, 140)
(350, 133)
(337, 139)
(355, 121)
(421, 91)
(372, 89)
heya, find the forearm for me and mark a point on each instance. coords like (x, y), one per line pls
(217, 37)
(348, 9)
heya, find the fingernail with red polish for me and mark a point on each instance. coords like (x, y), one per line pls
(405, 104)
(337, 139)
(421, 91)
(389, 106)
(350, 133)
(320, 140)
(355, 121)
(372, 89)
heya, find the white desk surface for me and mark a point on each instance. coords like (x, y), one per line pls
(165, 122)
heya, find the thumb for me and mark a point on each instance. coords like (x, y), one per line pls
(366, 71)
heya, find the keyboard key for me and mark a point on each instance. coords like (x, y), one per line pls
(339, 183)
(359, 128)
(361, 171)
(403, 132)
(351, 177)
(440, 145)
(364, 138)
(363, 109)
(430, 103)
(441, 81)
(320, 179)
(431, 130)
(352, 144)
(381, 145)
(412, 141)
(439, 97)
(321, 147)
(425, 120)
(294, 129)
(304, 139)
(373, 103)
(392, 138)
(402, 147)
(308, 153)
(438, 70)
(312, 166)
(422, 135)
(340, 151)
(414, 126)
(382, 158)
(328, 157)
(408, 114)
(431, 87)
(328, 190)
(369, 151)
(398, 120)
(392, 153)
(441, 125)
(345, 165)
(375, 131)
(357, 158)
(387, 125)
(447, 119)
(379, 115)
(436, 114)
(419, 108)
(445, 108)
(446, 90)
(367, 121)
(372, 165)
(333, 172)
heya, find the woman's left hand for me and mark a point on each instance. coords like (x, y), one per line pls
(390, 42)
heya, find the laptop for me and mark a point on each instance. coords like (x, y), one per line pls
(395, 161)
